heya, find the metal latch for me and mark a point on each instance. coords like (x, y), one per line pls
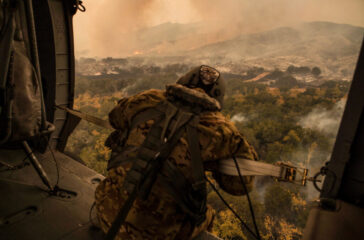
(293, 174)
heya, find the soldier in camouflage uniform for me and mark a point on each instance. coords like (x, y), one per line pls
(160, 217)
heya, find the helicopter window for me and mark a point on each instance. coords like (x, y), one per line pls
(287, 65)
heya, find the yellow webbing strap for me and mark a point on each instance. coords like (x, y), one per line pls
(280, 171)
(87, 117)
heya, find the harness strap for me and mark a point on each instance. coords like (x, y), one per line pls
(177, 186)
(199, 191)
(175, 133)
(149, 114)
(121, 158)
(190, 197)
(145, 169)
(196, 161)
(87, 117)
(280, 171)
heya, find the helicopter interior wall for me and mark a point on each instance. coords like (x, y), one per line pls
(54, 31)
(46, 47)
(27, 209)
(345, 179)
(352, 186)
(340, 212)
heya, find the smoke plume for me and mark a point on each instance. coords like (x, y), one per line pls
(326, 121)
(106, 26)
(116, 27)
(239, 118)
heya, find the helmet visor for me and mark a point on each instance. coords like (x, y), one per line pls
(208, 75)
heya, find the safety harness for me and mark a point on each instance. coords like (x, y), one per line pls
(171, 121)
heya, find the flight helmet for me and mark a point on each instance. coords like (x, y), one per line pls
(206, 78)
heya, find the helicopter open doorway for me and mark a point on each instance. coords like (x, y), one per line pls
(66, 215)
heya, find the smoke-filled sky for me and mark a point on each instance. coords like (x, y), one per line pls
(108, 27)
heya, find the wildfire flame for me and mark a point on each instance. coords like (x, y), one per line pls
(137, 52)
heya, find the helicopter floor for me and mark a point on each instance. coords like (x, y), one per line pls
(29, 211)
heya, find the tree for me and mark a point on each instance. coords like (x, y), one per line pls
(316, 71)
(291, 69)
(286, 81)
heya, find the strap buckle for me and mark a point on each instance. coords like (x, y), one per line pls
(293, 174)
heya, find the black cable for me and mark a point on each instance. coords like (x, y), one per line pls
(6, 165)
(54, 159)
(27, 155)
(56, 162)
(232, 210)
(18, 166)
(247, 195)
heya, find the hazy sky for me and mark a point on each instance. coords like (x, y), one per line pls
(105, 29)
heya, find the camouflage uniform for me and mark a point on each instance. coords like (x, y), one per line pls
(159, 217)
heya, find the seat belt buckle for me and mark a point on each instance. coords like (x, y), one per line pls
(292, 174)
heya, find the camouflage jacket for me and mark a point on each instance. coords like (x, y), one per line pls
(159, 217)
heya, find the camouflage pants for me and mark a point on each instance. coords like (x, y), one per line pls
(156, 218)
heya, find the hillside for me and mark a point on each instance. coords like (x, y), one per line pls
(323, 38)
(332, 47)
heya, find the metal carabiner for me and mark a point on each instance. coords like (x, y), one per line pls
(79, 5)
